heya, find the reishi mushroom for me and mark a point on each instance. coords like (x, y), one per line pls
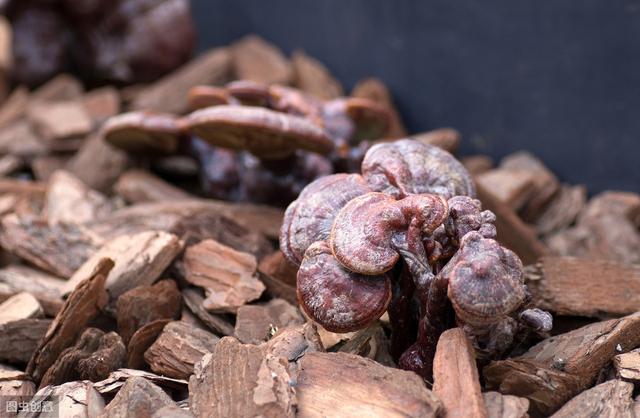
(414, 209)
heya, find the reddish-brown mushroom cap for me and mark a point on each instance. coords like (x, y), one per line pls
(337, 299)
(362, 233)
(372, 120)
(310, 218)
(265, 133)
(144, 132)
(205, 96)
(485, 280)
(407, 167)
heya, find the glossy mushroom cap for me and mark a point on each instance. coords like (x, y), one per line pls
(353, 119)
(144, 132)
(408, 167)
(265, 133)
(363, 231)
(337, 299)
(485, 281)
(205, 96)
(310, 218)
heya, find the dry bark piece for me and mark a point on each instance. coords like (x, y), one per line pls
(118, 379)
(584, 287)
(627, 366)
(205, 96)
(239, 226)
(265, 133)
(97, 163)
(141, 340)
(9, 164)
(43, 167)
(610, 399)
(147, 303)
(46, 288)
(562, 210)
(512, 232)
(139, 260)
(93, 356)
(139, 186)
(21, 140)
(14, 386)
(59, 249)
(172, 411)
(137, 398)
(14, 106)
(168, 94)
(370, 342)
(102, 103)
(178, 348)
(61, 124)
(455, 375)
(446, 138)
(545, 182)
(20, 306)
(625, 204)
(375, 90)
(259, 385)
(20, 339)
(72, 399)
(311, 76)
(505, 406)
(144, 132)
(275, 265)
(256, 59)
(512, 187)
(82, 305)
(69, 200)
(62, 87)
(32, 189)
(558, 368)
(257, 323)
(351, 386)
(228, 276)
(194, 300)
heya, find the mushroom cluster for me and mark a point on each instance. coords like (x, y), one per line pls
(407, 236)
(255, 142)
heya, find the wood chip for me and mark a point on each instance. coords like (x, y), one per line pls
(14, 387)
(584, 287)
(139, 260)
(147, 303)
(141, 340)
(138, 186)
(169, 94)
(311, 76)
(370, 342)
(72, 399)
(20, 306)
(46, 288)
(20, 339)
(102, 103)
(513, 187)
(216, 323)
(93, 356)
(258, 386)
(61, 124)
(59, 249)
(62, 87)
(513, 233)
(20, 140)
(625, 204)
(446, 138)
(278, 267)
(69, 200)
(505, 406)
(545, 182)
(374, 89)
(118, 379)
(558, 368)
(178, 348)
(563, 209)
(239, 226)
(455, 375)
(627, 366)
(9, 164)
(43, 167)
(137, 398)
(256, 59)
(14, 106)
(98, 164)
(351, 386)
(82, 305)
(228, 276)
(257, 323)
(609, 399)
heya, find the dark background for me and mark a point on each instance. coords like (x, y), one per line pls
(559, 78)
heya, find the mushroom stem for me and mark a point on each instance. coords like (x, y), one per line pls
(401, 314)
